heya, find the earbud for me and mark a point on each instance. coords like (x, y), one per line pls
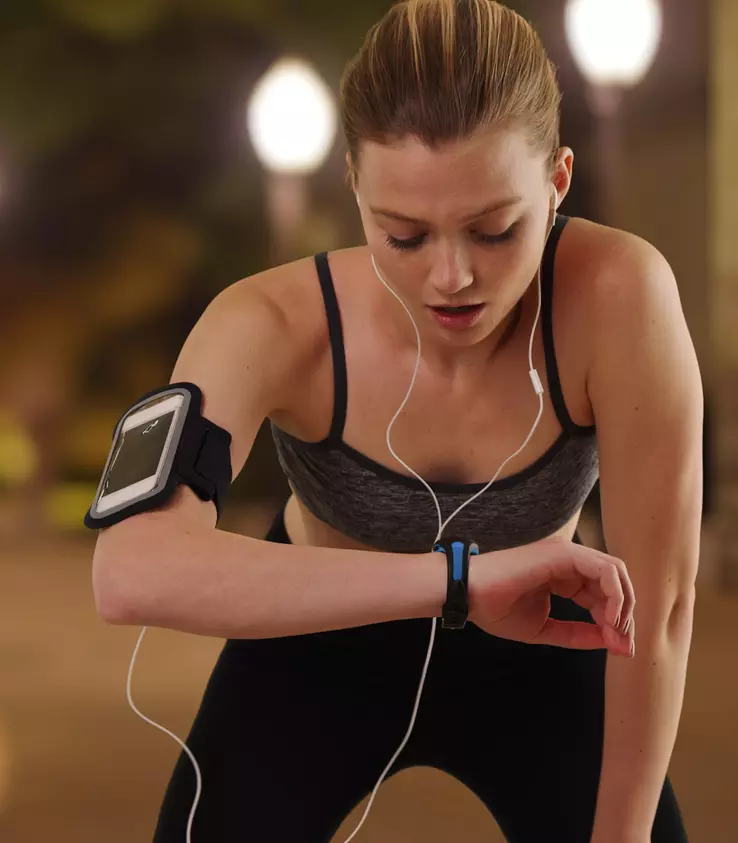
(554, 207)
(358, 201)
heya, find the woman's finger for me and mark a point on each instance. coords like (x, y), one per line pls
(604, 575)
(579, 635)
(628, 592)
(575, 635)
(584, 592)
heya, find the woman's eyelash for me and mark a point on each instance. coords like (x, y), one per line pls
(414, 242)
(405, 245)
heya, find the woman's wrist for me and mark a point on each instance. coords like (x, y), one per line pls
(432, 575)
(482, 572)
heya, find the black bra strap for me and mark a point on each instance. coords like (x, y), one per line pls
(552, 370)
(335, 329)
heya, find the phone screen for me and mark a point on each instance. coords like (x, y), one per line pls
(138, 454)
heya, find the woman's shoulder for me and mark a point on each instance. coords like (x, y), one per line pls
(599, 254)
(292, 295)
(294, 289)
(597, 271)
(597, 265)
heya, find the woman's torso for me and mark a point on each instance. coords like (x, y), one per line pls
(500, 404)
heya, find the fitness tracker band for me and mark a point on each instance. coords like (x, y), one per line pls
(456, 607)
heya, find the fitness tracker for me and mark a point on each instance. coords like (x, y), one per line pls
(158, 443)
(456, 607)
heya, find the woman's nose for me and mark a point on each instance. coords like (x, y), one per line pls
(451, 272)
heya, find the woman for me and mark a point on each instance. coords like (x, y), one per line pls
(451, 116)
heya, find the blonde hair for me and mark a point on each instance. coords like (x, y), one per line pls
(441, 69)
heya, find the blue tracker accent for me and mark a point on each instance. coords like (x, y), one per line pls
(458, 548)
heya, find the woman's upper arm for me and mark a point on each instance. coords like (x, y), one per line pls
(239, 353)
(244, 355)
(241, 356)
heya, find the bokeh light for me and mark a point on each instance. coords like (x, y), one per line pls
(291, 118)
(614, 42)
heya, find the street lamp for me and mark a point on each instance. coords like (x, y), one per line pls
(292, 125)
(614, 43)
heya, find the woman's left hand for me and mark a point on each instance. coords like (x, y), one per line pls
(510, 595)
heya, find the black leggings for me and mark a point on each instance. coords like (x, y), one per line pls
(293, 732)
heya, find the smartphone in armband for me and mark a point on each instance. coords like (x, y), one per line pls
(158, 443)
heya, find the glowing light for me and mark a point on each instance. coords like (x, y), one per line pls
(614, 42)
(291, 118)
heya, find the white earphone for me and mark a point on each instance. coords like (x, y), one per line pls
(554, 205)
(538, 388)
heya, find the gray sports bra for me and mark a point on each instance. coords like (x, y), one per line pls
(389, 511)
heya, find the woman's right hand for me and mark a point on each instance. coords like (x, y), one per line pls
(510, 595)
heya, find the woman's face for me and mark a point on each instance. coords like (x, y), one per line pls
(463, 224)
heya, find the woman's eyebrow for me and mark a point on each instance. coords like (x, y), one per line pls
(495, 206)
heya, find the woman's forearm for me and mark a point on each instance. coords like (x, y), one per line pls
(221, 584)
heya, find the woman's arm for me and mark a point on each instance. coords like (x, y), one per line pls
(170, 567)
(646, 394)
(211, 582)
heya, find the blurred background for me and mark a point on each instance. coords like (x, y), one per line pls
(140, 174)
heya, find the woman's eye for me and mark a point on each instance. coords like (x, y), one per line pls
(405, 245)
(499, 238)
(415, 242)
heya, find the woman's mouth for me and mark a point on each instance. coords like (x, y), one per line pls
(458, 317)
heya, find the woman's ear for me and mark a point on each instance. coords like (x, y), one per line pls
(562, 172)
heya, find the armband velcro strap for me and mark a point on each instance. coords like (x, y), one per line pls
(205, 464)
